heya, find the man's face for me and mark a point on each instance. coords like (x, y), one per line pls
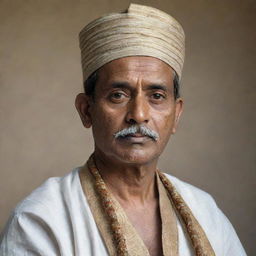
(133, 91)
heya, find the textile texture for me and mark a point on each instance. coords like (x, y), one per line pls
(139, 31)
(56, 219)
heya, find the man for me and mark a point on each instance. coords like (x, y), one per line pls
(119, 203)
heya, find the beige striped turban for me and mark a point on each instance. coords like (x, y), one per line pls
(139, 31)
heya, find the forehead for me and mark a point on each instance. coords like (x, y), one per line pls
(134, 68)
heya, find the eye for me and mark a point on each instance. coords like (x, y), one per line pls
(117, 97)
(158, 96)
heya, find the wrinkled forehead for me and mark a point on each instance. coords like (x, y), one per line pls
(135, 65)
(136, 70)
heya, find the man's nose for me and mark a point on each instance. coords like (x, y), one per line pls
(138, 111)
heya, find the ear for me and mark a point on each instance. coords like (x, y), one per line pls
(178, 112)
(83, 104)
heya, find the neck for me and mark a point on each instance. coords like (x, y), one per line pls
(132, 184)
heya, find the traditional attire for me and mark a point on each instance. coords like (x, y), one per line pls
(64, 217)
(138, 31)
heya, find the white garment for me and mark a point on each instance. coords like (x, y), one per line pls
(55, 219)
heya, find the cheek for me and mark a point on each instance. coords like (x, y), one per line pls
(165, 130)
(164, 121)
(105, 121)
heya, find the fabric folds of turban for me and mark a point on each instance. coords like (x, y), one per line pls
(139, 31)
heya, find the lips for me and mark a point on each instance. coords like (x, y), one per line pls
(136, 138)
(137, 135)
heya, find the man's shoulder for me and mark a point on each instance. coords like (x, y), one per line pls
(200, 202)
(215, 224)
(50, 195)
(189, 191)
(37, 223)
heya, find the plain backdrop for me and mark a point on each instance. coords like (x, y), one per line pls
(40, 74)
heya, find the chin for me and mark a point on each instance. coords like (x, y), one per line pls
(139, 157)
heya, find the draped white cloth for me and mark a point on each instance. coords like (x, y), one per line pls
(55, 219)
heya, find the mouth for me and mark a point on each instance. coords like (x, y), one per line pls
(136, 138)
(137, 135)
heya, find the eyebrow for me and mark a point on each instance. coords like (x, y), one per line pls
(126, 85)
(157, 87)
(123, 85)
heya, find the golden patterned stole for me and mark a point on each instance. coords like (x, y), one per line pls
(120, 236)
(199, 240)
(135, 245)
(94, 201)
(170, 242)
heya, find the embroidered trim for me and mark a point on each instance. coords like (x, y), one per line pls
(201, 245)
(118, 237)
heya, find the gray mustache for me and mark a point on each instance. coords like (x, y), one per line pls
(137, 129)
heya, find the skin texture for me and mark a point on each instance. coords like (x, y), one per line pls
(133, 91)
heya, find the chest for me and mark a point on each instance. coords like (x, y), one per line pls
(147, 223)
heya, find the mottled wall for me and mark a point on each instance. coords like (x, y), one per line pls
(40, 75)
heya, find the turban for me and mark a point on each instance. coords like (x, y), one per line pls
(139, 31)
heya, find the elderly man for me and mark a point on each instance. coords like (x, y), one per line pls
(119, 203)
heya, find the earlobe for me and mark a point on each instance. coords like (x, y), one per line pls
(82, 104)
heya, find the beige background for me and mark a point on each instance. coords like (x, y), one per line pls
(40, 75)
